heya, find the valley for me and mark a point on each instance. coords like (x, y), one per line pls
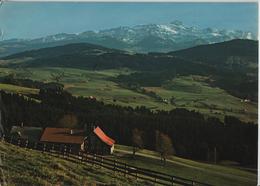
(98, 93)
(190, 92)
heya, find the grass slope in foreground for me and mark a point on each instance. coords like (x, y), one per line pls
(25, 167)
(29, 167)
(218, 175)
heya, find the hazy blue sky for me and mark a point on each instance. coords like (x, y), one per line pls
(31, 20)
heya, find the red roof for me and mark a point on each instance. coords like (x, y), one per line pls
(104, 137)
(63, 135)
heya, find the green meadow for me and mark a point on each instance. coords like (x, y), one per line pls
(214, 174)
(190, 92)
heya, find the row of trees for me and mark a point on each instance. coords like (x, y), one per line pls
(191, 134)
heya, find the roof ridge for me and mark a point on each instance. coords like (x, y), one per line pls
(99, 132)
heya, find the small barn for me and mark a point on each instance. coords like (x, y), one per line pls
(98, 142)
(29, 133)
(72, 138)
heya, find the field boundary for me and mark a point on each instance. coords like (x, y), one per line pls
(103, 162)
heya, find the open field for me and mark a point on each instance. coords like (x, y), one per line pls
(18, 89)
(190, 92)
(204, 172)
(29, 167)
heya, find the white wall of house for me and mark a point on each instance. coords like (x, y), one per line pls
(112, 149)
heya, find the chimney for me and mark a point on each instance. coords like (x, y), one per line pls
(92, 126)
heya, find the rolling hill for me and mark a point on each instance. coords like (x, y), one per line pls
(228, 68)
(236, 64)
(231, 54)
(222, 53)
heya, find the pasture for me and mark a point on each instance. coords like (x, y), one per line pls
(190, 92)
(199, 171)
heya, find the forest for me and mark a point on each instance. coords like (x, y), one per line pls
(193, 135)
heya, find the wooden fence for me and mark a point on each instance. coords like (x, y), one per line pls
(104, 162)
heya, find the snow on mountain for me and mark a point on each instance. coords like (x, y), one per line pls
(146, 38)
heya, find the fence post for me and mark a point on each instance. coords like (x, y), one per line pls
(78, 156)
(64, 151)
(26, 143)
(87, 159)
(52, 148)
(19, 142)
(125, 171)
(93, 159)
(60, 151)
(70, 150)
(114, 166)
(3, 137)
(102, 162)
(44, 147)
(35, 145)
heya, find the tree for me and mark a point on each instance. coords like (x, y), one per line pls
(57, 77)
(163, 145)
(68, 121)
(137, 140)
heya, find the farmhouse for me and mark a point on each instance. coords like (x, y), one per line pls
(98, 142)
(72, 138)
(95, 142)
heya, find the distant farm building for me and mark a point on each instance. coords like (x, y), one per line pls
(98, 142)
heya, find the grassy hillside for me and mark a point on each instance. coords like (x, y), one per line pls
(191, 92)
(235, 62)
(29, 167)
(207, 173)
(214, 79)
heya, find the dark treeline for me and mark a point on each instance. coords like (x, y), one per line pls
(10, 79)
(193, 135)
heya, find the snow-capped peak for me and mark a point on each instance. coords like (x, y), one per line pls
(150, 37)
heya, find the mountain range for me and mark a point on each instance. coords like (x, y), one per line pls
(141, 38)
